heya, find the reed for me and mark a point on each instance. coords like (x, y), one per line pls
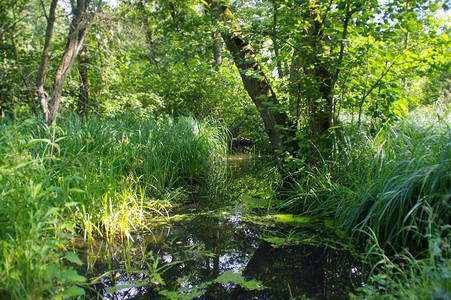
(95, 177)
(391, 191)
(409, 182)
(390, 182)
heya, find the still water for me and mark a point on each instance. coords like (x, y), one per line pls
(227, 253)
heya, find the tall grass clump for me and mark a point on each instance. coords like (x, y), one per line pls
(96, 177)
(33, 246)
(390, 182)
(391, 190)
(123, 169)
(407, 192)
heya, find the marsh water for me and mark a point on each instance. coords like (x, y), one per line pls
(231, 252)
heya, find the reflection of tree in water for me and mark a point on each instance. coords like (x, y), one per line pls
(316, 272)
(207, 246)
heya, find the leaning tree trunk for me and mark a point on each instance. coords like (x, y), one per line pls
(77, 33)
(78, 28)
(254, 80)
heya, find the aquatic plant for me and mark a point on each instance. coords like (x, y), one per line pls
(225, 278)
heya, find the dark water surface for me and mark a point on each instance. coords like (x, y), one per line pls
(184, 259)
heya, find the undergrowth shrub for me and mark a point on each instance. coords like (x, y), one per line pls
(401, 275)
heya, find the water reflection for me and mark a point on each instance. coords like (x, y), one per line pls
(185, 255)
(206, 246)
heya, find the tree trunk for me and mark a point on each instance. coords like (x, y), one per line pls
(42, 99)
(78, 28)
(320, 103)
(275, 42)
(173, 12)
(217, 48)
(77, 33)
(152, 54)
(83, 93)
(254, 80)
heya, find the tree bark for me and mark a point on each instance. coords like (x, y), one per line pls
(77, 33)
(217, 48)
(254, 80)
(42, 99)
(83, 92)
(275, 42)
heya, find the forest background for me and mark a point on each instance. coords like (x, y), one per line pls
(347, 95)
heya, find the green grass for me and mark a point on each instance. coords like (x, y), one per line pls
(408, 183)
(401, 275)
(98, 177)
(392, 192)
(391, 182)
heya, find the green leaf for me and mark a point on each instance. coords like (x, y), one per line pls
(51, 211)
(53, 271)
(73, 291)
(76, 190)
(73, 258)
(70, 275)
(238, 279)
(117, 288)
(72, 203)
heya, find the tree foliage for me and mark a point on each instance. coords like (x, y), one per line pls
(325, 62)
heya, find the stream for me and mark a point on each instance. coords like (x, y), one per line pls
(228, 253)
